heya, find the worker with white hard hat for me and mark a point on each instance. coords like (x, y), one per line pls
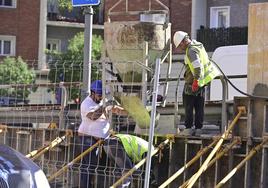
(199, 72)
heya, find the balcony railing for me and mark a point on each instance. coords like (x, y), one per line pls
(214, 38)
(76, 15)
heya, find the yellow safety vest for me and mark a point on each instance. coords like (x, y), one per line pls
(208, 70)
(134, 146)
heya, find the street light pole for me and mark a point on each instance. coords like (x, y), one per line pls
(87, 51)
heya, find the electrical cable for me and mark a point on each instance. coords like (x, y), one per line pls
(237, 89)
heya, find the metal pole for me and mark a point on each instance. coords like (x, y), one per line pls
(87, 51)
(145, 75)
(218, 156)
(152, 124)
(241, 110)
(188, 164)
(63, 105)
(241, 164)
(138, 165)
(79, 157)
(37, 153)
(224, 105)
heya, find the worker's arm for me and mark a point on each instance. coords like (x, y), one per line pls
(96, 113)
(92, 110)
(116, 110)
(194, 58)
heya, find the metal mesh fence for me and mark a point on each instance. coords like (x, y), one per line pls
(33, 121)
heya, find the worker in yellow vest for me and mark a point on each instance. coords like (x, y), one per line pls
(125, 150)
(198, 73)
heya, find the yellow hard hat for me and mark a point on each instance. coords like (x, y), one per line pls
(178, 37)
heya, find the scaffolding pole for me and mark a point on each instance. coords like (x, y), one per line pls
(241, 164)
(37, 153)
(187, 165)
(138, 165)
(218, 156)
(79, 157)
(241, 110)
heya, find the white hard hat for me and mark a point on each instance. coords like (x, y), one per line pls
(178, 37)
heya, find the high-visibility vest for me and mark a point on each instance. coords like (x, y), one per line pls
(134, 146)
(208, 70)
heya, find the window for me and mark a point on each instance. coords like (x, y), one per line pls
(7, 45)
(8, 3)
(220, 17)
(53, 44)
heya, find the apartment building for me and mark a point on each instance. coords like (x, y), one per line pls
(20, 26)
(29, 27)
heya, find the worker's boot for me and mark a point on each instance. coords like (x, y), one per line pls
(186, 132)
(198, 132)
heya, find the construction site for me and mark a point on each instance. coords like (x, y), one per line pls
(138, 73)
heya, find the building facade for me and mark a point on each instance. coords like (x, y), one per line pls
(19, 31)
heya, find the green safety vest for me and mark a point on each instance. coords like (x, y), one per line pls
(134, 146)
(208, 70)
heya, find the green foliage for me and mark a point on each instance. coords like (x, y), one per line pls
(16, 71)
(68, 66)
(65, 4)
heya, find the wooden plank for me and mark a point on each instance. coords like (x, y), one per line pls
(258, 49)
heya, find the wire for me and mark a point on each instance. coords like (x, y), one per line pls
(237, 89)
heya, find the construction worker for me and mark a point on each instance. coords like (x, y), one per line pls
(94, 126)
(198, 73)
(126, 150)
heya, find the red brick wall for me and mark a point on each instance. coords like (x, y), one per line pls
(180, 12)
(22, 22)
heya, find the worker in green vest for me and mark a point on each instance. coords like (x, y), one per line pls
(198, 73)
(126, 150)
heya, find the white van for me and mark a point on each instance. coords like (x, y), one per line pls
(233, 61)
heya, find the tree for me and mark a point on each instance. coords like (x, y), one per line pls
(68, 66)
(16, 71)
(67, 5)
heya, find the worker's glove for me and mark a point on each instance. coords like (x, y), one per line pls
(108, 108)
(195, 86)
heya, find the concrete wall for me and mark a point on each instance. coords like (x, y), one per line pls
(63, 34)
(257, 49)
(22, 22)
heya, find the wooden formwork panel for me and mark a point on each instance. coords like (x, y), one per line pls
(253, 123)
(173, 158)
(242, 127)
(255, 169)
(257, 49)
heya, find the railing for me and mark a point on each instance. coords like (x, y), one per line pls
(216, 37)
(76, 15)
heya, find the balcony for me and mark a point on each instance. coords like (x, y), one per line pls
(76, 15)
(216, 37)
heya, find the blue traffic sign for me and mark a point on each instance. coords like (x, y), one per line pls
(77, 3)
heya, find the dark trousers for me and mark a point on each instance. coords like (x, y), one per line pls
(116, 153)
(190, 103)
(89, 162)
(123, 163)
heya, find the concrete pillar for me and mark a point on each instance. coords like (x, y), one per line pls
(258, 49)
(199, 15)
(42, 35)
